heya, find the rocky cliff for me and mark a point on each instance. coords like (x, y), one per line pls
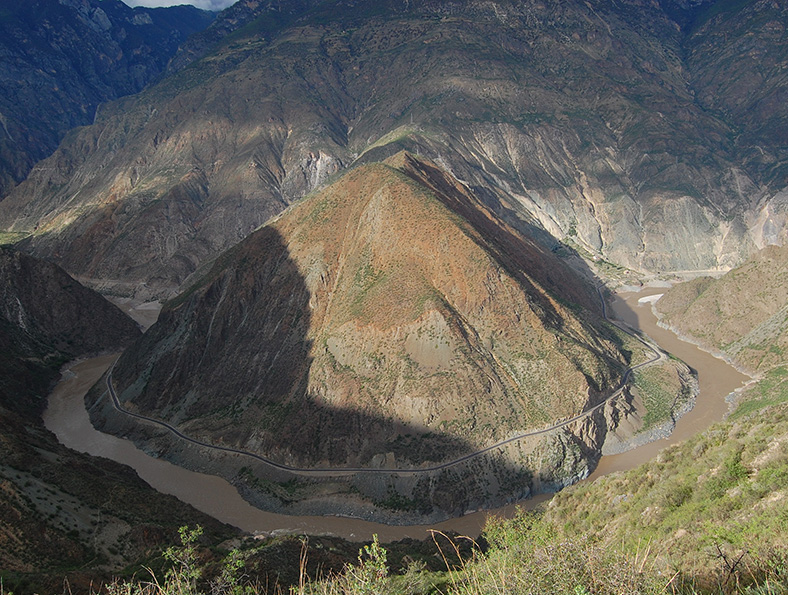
(619, 129)
(62, 58)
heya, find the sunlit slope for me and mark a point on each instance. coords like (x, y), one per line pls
(583, 119)
(743, 315)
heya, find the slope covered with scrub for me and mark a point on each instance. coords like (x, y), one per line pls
(743, 315)
(65, 514)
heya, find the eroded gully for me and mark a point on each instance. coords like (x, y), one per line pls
(67, 418)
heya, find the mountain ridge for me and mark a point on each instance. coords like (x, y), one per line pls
(63, 58)
(579, 120)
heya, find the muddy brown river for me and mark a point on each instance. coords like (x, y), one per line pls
(717, 379)
(67, 418)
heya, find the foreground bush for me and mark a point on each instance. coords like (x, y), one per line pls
(525, 555)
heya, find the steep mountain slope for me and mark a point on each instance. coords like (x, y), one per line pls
(581, 118)
(62, 58)
(47, 318)
(67, 515)
(720, 496)
(231, 23)
(737, 54)
(736, 61)
(61, 512)
(743, 315)
(388, 321)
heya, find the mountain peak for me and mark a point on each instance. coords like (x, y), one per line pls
(393, 324)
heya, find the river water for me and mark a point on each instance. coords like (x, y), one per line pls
(67, 418)
(717, 379)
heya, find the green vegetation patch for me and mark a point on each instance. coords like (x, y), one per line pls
(719, 494)
(8, 238)
(659, 387)
(364, 279)
(395, 501)
(771, 390)
(287, 492)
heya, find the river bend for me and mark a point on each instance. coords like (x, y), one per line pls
(67, 418)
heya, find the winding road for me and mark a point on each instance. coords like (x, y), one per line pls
(342, 471)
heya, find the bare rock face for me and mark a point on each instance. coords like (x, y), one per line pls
(62, 58)
(595, 123)
(390, 321)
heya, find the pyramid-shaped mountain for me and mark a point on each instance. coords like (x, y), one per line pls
(389, 320)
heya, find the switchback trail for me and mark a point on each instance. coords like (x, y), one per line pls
(342, 471)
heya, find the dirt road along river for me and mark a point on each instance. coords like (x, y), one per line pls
(67, 418)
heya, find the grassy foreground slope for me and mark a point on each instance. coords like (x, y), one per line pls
(707, 516)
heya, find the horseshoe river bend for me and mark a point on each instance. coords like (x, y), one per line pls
(67, 418)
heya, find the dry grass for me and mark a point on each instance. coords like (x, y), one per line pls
(525, 555)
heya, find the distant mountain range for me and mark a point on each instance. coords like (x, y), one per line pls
(60, 59)
(647, 135)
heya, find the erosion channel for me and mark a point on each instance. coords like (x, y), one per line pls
(67, 418)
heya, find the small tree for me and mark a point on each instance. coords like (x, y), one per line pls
(369, 577)
(184, 572)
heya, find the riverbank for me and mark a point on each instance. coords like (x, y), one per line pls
(716, 377)
(67, 418)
